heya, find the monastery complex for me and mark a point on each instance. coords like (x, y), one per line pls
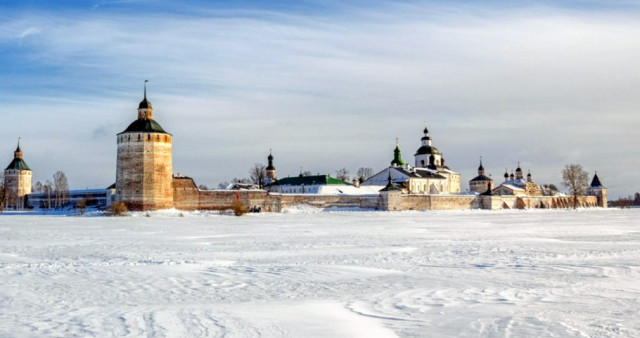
(144, 180)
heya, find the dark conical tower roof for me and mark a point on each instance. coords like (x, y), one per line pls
(595, 183)
(18, 163)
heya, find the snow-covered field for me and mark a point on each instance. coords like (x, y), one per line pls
(329, 274)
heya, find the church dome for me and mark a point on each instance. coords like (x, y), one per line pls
(424, 150)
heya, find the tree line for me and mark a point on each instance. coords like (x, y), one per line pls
(56, 191)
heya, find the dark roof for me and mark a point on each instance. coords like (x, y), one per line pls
(310, 180)
(390, 187)
(145, 125)
(144, 104)
(270, 167)
(481, 178)
(427, 150)
(421, 172)
(18, 164)
(595, 183)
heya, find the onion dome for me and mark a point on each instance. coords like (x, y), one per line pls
(270, 159)
(397, 157)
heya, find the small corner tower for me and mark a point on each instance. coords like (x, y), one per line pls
(597, 189)
(270, 170)
(144, 166)
(480, 183)
(17, 181)
(397, 156)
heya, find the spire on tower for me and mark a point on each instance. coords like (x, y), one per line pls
(145, 110)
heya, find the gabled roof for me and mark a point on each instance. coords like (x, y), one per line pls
(144, 125)
(309, 180)
(18, 164)
(595, 183)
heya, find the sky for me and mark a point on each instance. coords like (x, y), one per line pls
(325, 85)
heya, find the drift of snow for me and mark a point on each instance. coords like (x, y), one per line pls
(322, 274)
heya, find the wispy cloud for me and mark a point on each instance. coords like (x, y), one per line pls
(543, 85)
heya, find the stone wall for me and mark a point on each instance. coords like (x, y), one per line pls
(536, 202)
(144, 171)
(188, 197)
(433, 202)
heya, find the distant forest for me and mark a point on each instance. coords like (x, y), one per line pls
(626, 202)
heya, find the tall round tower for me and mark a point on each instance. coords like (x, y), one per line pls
(144, 167)
(17, 181)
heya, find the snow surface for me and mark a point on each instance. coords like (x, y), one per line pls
(323, 274)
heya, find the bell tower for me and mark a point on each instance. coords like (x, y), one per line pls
(270, 170)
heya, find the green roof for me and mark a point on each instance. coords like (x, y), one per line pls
(397, 158)
(18, 164)
(310, 180)
(145, 125)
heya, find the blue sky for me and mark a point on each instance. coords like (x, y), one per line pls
(324, 84)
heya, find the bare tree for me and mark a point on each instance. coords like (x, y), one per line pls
(48, 189)
(342, 174)
(576, 180)
(364, 173)
(258, 173)
(203, 187)
(38, 187)
(306, 173)
(61, 188)
(223, 185)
